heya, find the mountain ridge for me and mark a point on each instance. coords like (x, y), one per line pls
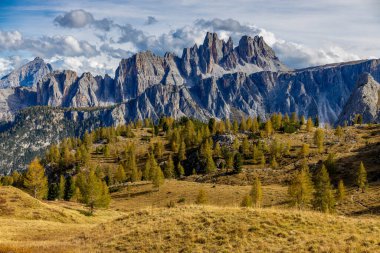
(218, 79)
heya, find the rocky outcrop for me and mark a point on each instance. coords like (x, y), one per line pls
(217, 57)
(214, 79)
(26, 76)
(66, 89)
(364, 100)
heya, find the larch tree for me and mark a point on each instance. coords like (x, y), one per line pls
(361, 180)
(319, 138)
(237, 163)
(305, 150)
(309, 124)
(324, 199)
(341, 194)
(339, 132)
(301, 189)
(256, 193)
(169, 168)
(158, 177)
(182, 151)
(268, 128)
(93, 191)
(255, 125)
(180, 170)
(120, 175)
(35, 180)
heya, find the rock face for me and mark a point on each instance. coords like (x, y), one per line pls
(364, 100)
(27, 75)
(214, 79)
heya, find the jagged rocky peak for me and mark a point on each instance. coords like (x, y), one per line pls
(52, 88)
(217, 57)
(27, 75)
(364, 100)
(143, 70)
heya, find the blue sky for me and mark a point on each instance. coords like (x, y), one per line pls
(93, 35)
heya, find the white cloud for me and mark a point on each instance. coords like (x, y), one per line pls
(74, 19)
(10, 39)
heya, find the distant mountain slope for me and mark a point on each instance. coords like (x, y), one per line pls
(35, 128)
(364, 100)
(27, 75)
(214, 79)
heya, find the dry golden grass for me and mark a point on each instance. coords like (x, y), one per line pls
(29, 225)
(184, 193)
(141, 222)
(228, 229)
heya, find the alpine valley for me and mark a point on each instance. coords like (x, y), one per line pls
(39, 105)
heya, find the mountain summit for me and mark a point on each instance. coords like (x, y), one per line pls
(27, 75)
(214, 79)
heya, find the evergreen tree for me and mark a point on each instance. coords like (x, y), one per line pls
(106, 150)
(229, 158)
(169, 168)
(206, 154)
(87, 140)
(361, 180)
(159, 149)
(35, 180)
(330, 164)
(319, 137)
(237, 163)
(53, 191)
(120, 175)
(217, 150)
(309, 125)
(93, 191)
(268, 128)
(324, 200)
(235, 127)
(316, 121)
(256, 193)
(18, 180)
(245, 147)
(305, 150)
(255, 125)
(302, 121)
(294, 118)
(202, 198)
(61, 187)
(243, 125)
(228, 125)
(339, 132)
(158, 178)
(341, 191)
(301, 189)
(146, 173)
(69, 188)
(212, 125)
(182, 151)
(180, 170)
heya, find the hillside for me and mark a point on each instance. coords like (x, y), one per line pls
(144, 218)
(190, 228)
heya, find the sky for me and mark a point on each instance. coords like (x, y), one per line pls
(94, 35)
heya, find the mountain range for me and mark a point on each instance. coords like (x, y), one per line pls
(215, 79)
